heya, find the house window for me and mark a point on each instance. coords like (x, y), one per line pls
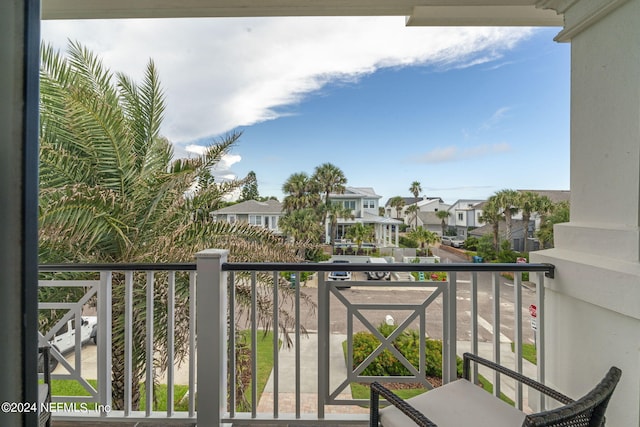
(231, 219)
(255, 219)
(369, 204)
(460, 216)
(349, 204)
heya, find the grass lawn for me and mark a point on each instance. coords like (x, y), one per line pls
(265, 365)
(529, 352)
(265, 359)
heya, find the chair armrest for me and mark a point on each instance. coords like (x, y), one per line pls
(378, 389)
(468, 357)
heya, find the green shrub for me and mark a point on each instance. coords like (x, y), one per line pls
(485, 248)
(406, 242)
(471, 243)
(408, 344)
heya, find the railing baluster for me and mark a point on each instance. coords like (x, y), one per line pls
(540, 343)
(474, 321)
(496, 331)
(128, 340)
(517, 337)
(452, 320)
(297, 318)
(192, 344)
(149, 345)
(104, 339)
(323, 343)
(232, 344)
(254, 345)
(276, 347)
(171, 291)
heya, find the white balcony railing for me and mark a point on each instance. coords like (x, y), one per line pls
(472, 308)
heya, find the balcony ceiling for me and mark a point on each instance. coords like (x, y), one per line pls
(418, 12)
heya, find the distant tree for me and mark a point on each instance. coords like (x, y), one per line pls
(423, 236)
(301, 225)
(380, 211)
(328, 178)
(301, 193)
(509, 202)
(415, 189)
(492, 215)
(560, 212)
(360, 233)
(443, 215)
(412, 212)
(398, 203)
(531, 202)
(250, 188)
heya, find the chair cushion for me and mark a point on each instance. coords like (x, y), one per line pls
(457, 404)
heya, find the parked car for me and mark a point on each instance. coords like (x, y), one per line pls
(446, 240)
(64, 341)
(378, 275)
(340, 275)
(457, 242)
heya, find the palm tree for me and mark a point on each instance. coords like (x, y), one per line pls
(412, 211)
(443, 215)
(509, 202)
(415, 189)
(301, 225)
(559, 213)
(359, 233)
(531, 202)
(329, 179)
(491, 215)
(398, 203)
(301, 192)
(422, 236)
(110, 192)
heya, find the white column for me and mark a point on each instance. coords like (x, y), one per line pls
(593, 304)
(211, 318)
(19, 56)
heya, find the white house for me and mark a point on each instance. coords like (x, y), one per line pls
(363, 203)
(261, 214)
(465, 213)
(425, 204)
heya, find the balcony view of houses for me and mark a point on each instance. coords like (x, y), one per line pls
(289, 213)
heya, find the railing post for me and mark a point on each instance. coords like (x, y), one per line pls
(211, 326)
(104, 339)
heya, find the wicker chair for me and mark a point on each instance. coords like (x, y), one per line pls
(44, 390)
(461, 403)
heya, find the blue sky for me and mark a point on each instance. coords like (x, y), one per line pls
(466, 112)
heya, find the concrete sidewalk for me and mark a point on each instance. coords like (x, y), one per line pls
(338, 373)
(308, 378)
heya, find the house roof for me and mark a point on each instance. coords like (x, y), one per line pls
(470, 204)
(375, 219)
(429, 218)
(412, 200)
(554, 195)
(351, 192)
(252, 207)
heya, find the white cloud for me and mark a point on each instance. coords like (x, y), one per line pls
(453, 153)
(219, 74)
(495, 118)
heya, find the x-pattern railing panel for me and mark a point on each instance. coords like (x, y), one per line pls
(74, 312)
(356, 311)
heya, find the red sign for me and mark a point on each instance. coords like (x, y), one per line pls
(533, 310)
